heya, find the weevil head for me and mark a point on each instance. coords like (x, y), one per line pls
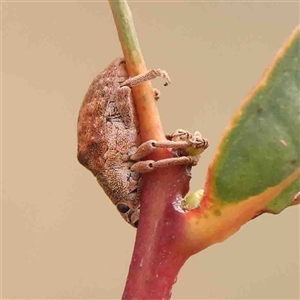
(129, 213)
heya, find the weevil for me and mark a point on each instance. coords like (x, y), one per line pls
(109, 138)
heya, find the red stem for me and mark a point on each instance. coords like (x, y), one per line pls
(159, 253)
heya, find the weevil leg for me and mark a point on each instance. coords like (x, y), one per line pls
(181, 139)
(151, 145)
(151, 165)
(149, 75)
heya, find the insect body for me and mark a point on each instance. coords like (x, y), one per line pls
(109, 143)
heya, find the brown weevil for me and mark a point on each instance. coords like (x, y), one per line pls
(109, 143)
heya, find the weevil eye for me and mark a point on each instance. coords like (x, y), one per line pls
(122, 208)
(136, 224)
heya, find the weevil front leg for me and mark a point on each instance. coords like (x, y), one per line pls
(149, 75)
(124, 103)
(135, 80)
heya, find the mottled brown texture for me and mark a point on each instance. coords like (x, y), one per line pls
(108, 135)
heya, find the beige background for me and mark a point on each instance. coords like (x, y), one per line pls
(61, 236)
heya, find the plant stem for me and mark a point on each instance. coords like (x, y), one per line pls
(148, 116)
(158, 254)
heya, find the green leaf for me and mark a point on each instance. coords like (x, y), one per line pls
(284, 199)
(261, 146)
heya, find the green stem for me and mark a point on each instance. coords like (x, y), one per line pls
(150, 125)
(127, 34)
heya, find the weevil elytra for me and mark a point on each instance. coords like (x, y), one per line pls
(109, 143)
